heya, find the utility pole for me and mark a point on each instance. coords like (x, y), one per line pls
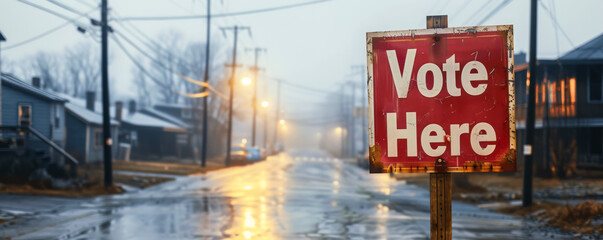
(343, 120)
(236, 30)
(2, 39)
(205, 100)
(254, 101)
(353, 121)
(532, 78)
(105, 85)
(278, 110)
(364, 115)
(266, 129)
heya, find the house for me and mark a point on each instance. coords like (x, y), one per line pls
(145, 135)
(185, 116)
(177, 111)
(151, 137)
(25, 105)
(85, 131)
(569, 111)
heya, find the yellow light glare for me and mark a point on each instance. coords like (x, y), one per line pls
(246, 81)
(282, 122)
(264, 104)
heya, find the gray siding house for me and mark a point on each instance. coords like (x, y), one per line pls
(85, 133)
(43, 111)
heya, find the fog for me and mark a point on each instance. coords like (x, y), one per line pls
(314, 49)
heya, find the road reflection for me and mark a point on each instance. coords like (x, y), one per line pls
(301, 194)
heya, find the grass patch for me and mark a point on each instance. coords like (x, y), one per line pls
(165, 168)
(584, 217)
(87, 191)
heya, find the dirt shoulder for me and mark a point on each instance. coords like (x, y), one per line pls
(91, 191)
(89, 183)
(183, 168)
(584, 216)
(164, 168)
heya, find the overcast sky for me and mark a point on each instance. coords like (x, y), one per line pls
(313, 45)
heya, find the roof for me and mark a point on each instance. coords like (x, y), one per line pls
(13, 81)
(86, 115)
(137, 119)
(164, 116)
(144, 120)
(173, 105)
(2, 38)
(592, 51)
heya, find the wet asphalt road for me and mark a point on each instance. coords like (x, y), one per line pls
(298, 195)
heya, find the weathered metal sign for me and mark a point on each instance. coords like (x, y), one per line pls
(441, 100)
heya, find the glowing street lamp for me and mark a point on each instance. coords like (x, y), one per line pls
(246, 81)
(282, 122)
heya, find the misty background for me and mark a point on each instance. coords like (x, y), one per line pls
(315, 49)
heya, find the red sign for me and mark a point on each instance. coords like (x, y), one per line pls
(442, 100)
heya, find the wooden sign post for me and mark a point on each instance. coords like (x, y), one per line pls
(440, 183)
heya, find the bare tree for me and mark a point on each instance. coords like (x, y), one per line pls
(83, 66)
(48, 68)
(163, 66)
(140, 79)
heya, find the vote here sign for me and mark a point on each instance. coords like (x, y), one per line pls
(444, 94)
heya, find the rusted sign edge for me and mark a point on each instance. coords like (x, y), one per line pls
(508, 163)
(510, 160)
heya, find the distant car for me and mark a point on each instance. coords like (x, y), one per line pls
(253, 154)
(238, 152)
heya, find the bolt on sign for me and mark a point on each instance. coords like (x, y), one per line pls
(442, 100)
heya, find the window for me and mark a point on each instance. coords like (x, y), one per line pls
(595, 84)
(98, 139)
(24, 114)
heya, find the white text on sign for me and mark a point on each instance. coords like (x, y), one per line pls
(434, 134)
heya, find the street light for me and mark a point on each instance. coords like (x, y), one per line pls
(246, 81)
(265, 104)
(282, 122)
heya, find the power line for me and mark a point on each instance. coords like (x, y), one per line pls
(37, 36)
(477, 12)
(87, 4)
(144, 53)
(494, 11)
(48, 10)
(149, 43)
(50, 31)
(136, 63)
(557, 23)
(302, 87)
(220, 14)
(132, 27)
(461, 7)
(66, 7)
